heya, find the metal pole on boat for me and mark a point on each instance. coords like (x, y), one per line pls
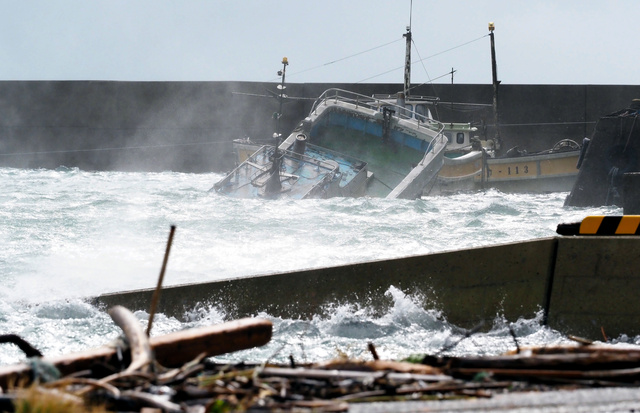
(496, 82)
(281, 97)
(273, 184)
(407, 64)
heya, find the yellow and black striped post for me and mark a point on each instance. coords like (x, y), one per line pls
(603, 225)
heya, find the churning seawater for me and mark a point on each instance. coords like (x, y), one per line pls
(67, 234)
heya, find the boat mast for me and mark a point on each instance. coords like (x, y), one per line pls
(281, 96)
(496, 82)
(407, 64)
(407, 58)
(274, 185)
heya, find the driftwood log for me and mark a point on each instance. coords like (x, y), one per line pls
(171, 350)
(203, 385)
(139, 347)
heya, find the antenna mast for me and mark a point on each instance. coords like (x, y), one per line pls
(496, 83)
(407, 59)
(273, 184)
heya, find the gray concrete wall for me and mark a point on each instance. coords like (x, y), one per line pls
(595, 286)
(581, 284)
(188, 126)
(470, 286)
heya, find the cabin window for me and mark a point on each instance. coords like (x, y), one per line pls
(449, 137)
(408, 113)
(422, 112)
(460, 137)
(405, 111)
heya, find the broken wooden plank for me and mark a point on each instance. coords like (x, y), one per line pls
(171, 350)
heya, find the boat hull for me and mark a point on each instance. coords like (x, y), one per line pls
(403, 153)
(376, 153)
(549, 172)
(315, 174)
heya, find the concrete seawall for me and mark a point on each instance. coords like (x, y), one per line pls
(584, 285)
(188, 126)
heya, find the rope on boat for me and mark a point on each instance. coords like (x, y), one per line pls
(426, 58)
(546, 123)
(345, 58)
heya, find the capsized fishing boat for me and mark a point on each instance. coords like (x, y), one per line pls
(472, 163)
(349, 145)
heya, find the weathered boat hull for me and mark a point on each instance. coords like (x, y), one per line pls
(315, 174)
(395, 156)
(561, 276)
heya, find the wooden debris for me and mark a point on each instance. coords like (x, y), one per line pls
(380, 365)
(176, 349)
(139, 346)
(171, 350)
(311, 373)
(156, 294)
(26, 348)
(195, 384)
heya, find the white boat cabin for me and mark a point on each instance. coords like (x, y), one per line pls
(459, 135)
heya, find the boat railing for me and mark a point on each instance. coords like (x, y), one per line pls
(439, 137)
(335, 96)
(269, 151)
(318, 163)
(260, 169)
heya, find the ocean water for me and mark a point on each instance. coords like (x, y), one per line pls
(68, 234)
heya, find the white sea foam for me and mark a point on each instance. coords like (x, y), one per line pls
(68, 234)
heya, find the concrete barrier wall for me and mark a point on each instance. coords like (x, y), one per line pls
(188, 126)
(582, 285)
(595, 286)
(470, 286)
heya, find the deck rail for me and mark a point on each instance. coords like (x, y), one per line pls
(335, 95)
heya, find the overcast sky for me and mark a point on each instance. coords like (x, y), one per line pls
(537, 42)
